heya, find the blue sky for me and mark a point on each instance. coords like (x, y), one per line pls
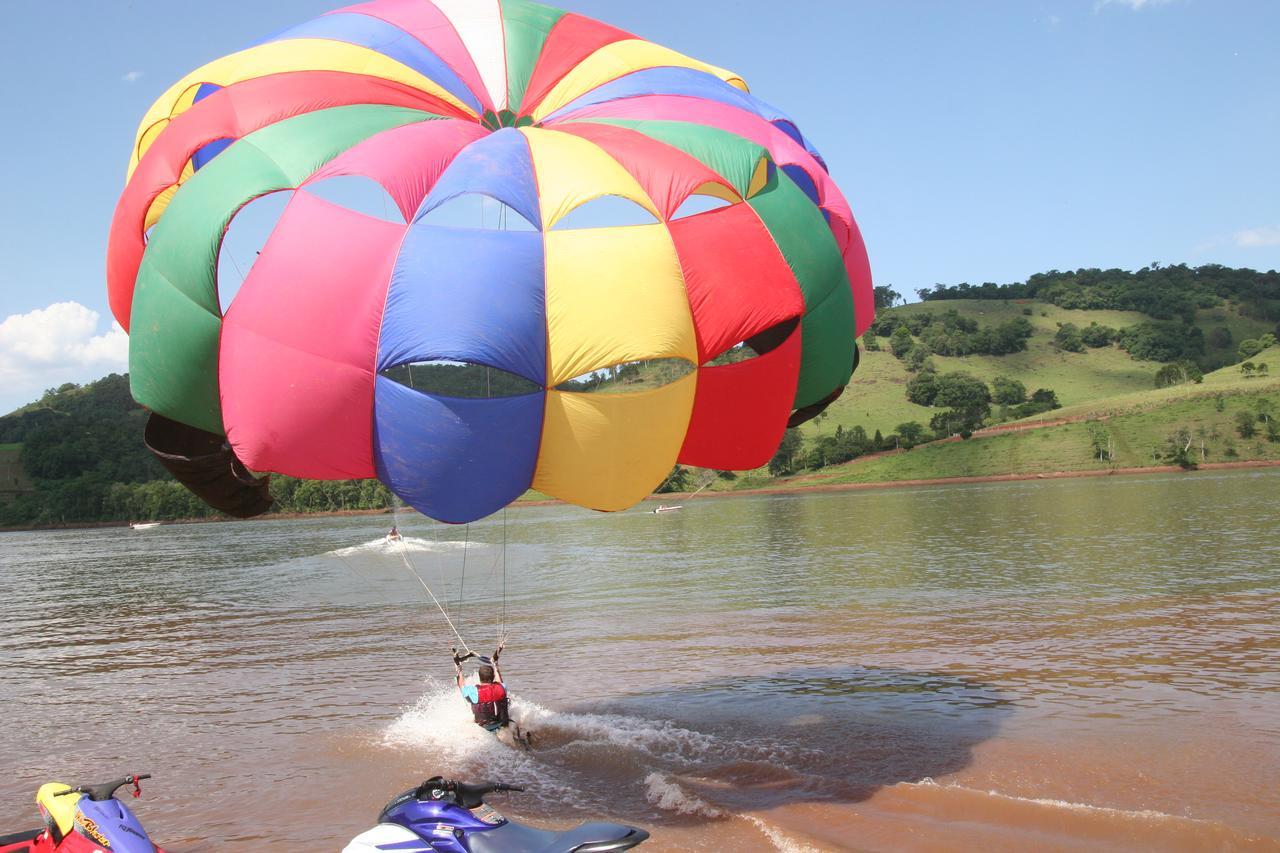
(976, 141)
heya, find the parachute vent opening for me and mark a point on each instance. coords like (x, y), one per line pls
(473, 210)
(246, 236)
(630, 377)
(696, 204)
(359, 194)
(460, 380)
(608, 211)
(757, 345)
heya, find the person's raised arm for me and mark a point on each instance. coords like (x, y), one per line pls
(457, 665)
(497, 671)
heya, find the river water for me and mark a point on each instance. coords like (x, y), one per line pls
(1077, 665)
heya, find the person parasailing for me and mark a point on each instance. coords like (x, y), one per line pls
(490, 705)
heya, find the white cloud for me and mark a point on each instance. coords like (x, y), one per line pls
(50, 346)
(1256, 238)
(1135, 5)
(131, 76)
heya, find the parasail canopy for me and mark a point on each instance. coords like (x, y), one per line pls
(310, 371)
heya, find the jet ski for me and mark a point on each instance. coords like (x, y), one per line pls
(441, 816)
(84, 819)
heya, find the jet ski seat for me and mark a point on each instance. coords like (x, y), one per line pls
(588, 838)
(59, 811)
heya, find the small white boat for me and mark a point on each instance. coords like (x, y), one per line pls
(665, 509)
(145, 525)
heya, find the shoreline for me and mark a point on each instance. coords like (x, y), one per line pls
(985, 478)
(782, 489)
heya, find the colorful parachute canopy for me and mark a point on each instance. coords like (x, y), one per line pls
(543, 111)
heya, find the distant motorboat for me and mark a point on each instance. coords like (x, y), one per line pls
(665, 509)
(145, 525)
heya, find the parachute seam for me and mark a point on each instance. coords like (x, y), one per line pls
(546, 315)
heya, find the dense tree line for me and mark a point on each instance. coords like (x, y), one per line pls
(1162, 293)
(947, 333)
(797, 454)
(82, 448)
(915, 336)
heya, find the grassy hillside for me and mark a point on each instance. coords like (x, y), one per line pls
(1139, 426)
(876, 400)
(1224, 381)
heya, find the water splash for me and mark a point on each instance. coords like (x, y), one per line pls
(412, 544)
(667, 795)
(670, 797)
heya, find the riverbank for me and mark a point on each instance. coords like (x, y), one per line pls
(782, 488)
(800, 488)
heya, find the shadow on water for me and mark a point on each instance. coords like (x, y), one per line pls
(743, 744)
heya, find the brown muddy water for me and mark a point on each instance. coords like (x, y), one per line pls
(1069, 665)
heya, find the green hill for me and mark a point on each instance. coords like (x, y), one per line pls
(1137, 430)
(876, 400)
(77, 454)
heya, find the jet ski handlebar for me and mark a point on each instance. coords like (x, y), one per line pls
(467, 796)
(106, 790)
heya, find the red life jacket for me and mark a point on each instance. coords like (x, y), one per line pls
(492, 709)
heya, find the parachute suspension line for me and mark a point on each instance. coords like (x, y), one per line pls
(705, 486)
(404, 554)
(503, 635)
(462, 582)
(435, 547)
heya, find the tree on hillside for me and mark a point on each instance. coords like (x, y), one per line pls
(1008, 391)
(900, 342)
(911, 433)
(1100, 436)
(923, 388)
(1265, 408)
(1220, 337)
(1069, 338)
(1096, 336)
(886, 297)
(1163, 293)
(968, 399)
(918, 359)
(1178, 449)
(784, 461)
(1163, 341)
(1178, 373)
(1246, 424)
(1253, 346)
(1046, 397)
(1010, 336)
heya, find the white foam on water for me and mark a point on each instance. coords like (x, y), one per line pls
(439, 720)
(1141, 814)
(781, 842)
(664, 793)
(656, 738)
(412, 544)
